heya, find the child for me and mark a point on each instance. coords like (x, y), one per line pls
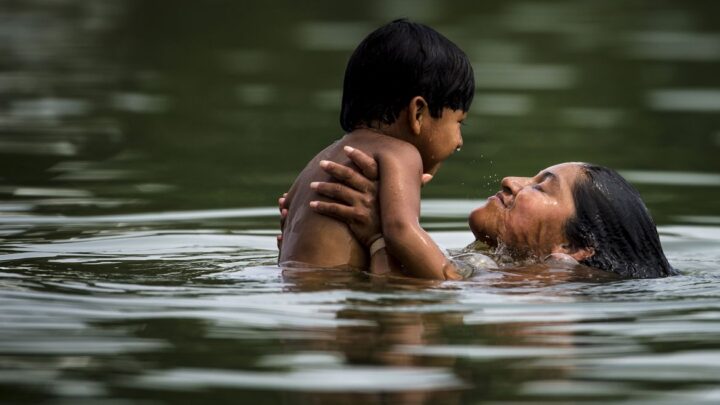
(406, 92)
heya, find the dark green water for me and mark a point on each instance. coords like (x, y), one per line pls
(143, 146)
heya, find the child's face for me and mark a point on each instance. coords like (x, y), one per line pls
(440, 137)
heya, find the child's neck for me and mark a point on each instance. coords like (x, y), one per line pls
(393, 130)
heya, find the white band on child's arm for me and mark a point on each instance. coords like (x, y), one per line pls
(377, 245)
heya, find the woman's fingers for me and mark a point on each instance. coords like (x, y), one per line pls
(426, 178)
(348, 176)
(354, 195)
(366, 163)
(282, 206)
(337, 192)
(335, 210)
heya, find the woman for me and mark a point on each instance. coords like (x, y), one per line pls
(573, 212)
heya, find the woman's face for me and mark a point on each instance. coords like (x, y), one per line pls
(529, 214)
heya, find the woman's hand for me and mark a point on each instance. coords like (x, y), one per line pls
(355, 195)
(283, 207)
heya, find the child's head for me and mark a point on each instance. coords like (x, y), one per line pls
(397, 62)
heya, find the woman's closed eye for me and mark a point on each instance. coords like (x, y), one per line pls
(545, 180)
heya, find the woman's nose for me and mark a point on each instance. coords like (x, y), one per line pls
(512, 185)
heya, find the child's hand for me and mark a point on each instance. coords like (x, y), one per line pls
(355, 196)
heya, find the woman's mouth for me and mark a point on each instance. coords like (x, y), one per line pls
(501, 198)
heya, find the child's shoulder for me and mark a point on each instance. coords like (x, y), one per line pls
(400, 152)
(386, 146)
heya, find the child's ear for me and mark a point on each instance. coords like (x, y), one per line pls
(417, 109)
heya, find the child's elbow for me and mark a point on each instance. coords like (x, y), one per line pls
(397, 233)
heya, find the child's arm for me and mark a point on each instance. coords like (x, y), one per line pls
(400, 170)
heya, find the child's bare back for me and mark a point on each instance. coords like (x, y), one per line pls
(318, 240)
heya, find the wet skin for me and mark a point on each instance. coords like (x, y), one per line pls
(529, 214)
(414, 144)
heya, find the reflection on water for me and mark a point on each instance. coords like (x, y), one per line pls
(143, 144)
(188, 312)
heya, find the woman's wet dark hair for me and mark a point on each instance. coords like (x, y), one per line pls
(611, 218)
(397, 62)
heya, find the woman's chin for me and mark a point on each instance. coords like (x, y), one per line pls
(485, 221)
(482, 237)
(483, 234)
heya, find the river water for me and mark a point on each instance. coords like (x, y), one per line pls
(143, 146)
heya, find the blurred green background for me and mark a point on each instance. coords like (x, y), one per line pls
(130, 106)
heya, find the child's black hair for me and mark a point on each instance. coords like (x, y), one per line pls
(397, 62)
